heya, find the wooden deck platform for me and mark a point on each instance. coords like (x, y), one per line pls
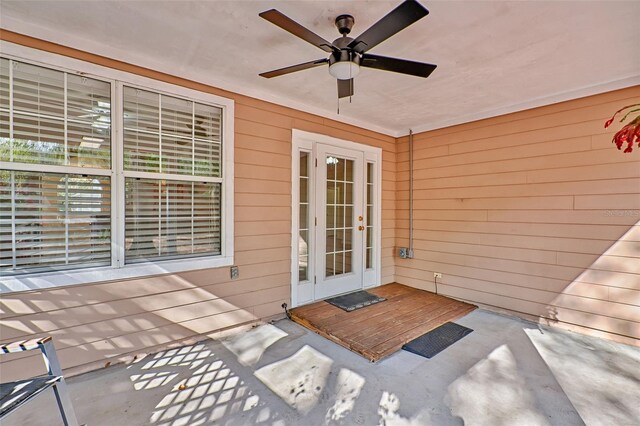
(379, 330)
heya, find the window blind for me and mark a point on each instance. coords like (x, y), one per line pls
(48, 219)
(164, 134)
(172, 219)
(52, 117)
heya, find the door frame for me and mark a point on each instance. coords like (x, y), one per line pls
(306, 141)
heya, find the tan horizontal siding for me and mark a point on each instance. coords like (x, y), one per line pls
(603, 155)
(105, 321)
(575, 245)
(534, 212)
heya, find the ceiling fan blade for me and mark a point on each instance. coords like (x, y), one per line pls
(296, 29)
(294, 68)
(345, 88)
(395, 21)
(403, 66)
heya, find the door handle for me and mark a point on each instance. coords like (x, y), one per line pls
(360, 218)
(360, 228)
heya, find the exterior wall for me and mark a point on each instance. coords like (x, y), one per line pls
(106, 321)
(534, 213)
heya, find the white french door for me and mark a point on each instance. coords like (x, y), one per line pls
(340, 222)
(336, 217)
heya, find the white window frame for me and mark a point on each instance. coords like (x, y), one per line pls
(118, 270)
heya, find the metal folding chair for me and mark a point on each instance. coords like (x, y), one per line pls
(16, 394)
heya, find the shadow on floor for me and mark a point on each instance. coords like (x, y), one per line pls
(506, 372)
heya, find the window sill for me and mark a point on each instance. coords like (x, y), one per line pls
(56, 279)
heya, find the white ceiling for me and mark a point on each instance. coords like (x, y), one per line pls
(493, 57)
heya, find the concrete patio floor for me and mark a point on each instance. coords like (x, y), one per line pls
(507, 372)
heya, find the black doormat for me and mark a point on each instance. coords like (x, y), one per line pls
(356, 300)
(432, 343)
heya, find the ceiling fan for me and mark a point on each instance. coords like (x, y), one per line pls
(347, 55)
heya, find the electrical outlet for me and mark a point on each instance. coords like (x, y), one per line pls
(235, 272)
(437, 275)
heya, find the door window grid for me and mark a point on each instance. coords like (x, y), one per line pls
(339, 216)
(369, 219)
(303, 216)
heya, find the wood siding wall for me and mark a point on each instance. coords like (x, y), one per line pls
(105, 321)
(535, 213)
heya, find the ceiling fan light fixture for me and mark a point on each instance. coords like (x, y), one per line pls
(344, 70)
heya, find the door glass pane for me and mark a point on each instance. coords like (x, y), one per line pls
(339, 214)
(331, 192)
(339, 262)
(369, 220)
(348, 190)
(331, 240)
(329, 265)
(303, 257)
(340, 240)
(303, 239)
(339, 217)
(348, 216)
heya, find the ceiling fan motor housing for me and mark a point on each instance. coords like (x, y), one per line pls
(345, 53)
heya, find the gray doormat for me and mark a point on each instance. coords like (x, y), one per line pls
(432, 343)
(356, 300)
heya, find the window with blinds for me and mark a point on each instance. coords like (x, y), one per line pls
(173, 169)
(55, 184)
(69, 200)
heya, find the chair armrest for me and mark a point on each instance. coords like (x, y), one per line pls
(24, 345)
